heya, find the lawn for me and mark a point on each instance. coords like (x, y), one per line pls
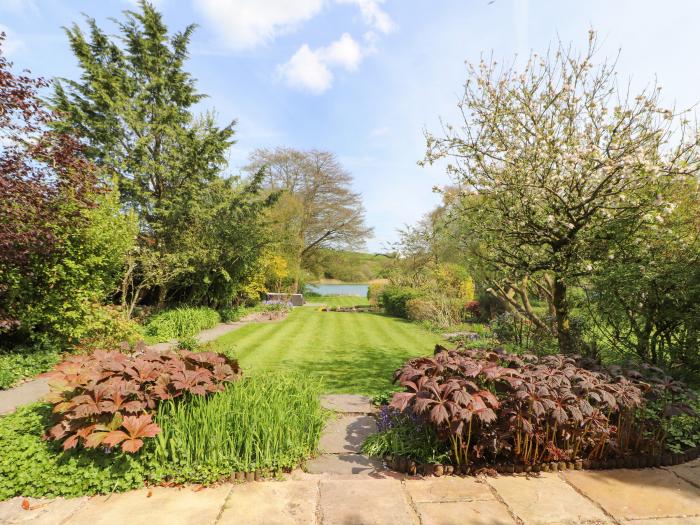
(339, 300)
(351, 352)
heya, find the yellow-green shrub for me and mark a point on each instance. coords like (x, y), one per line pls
(375, 289)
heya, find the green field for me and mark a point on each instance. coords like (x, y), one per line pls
(351, 352)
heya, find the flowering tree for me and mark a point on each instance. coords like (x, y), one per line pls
(557, 164)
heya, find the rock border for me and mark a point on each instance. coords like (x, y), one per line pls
(405, 465)
(351, 309)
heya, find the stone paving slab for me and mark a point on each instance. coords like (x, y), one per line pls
(344, 465)
(346, 434)
(689, 472)
(545, 500)
(347, 403)
(281, 503)
(638, 494)
(166, 506)
(440, 490)
(365, 502)
(29, 392)
(41, 511)
(464, 513)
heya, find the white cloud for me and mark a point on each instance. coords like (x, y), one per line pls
(244, 24)
(306, 70)
(344, 52)
(373, 15)
(309, 69)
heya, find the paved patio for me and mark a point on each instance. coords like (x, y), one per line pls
(663, 496)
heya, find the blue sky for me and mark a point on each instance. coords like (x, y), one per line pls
(364, 78)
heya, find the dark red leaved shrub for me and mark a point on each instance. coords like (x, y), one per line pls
(493, 405)
(107, 398)
(473, 309)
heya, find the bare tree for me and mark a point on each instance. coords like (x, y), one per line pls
(319, 208)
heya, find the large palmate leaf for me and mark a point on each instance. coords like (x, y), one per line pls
(136, 428)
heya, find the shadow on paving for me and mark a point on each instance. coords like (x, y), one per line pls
(359, 430)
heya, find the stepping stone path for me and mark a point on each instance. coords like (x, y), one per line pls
(341, 440)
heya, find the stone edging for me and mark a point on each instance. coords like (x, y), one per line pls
(405, 465)
(352, 309)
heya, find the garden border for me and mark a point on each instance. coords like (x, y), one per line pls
(405, 465)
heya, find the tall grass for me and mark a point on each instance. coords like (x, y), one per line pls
(181, 322)
(271, 421)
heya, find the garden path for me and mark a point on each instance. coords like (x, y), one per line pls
(658, 496)
(341, 440)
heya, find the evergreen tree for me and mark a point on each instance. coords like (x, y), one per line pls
(134, 106)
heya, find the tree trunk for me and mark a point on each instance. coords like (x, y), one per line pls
(561, 307)
(162, 293)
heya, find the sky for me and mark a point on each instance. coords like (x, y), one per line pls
(365, 78)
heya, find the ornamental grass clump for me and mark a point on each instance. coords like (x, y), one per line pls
(271, 421)
(181, 322)
(491, 406)
(107, 399)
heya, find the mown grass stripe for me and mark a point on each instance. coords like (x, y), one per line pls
(352, 352)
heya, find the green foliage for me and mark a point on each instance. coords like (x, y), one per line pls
(26, 361)
(201, 235)
(60, 294)
(383, 397)
(645, 300)
(404, 437)
(30, 466)
(683, 430)
(521, 335)
(270, 421)
(346, 266)
(374, 291)
(395, 299)
(181, 322)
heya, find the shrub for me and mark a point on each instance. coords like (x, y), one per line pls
(420, 309)
(105, 398)
(233, 314)
(437, 310)
(394, 299)
(375, 290)
(31, 466)
(400, 435)
(106, 329)
(264, 422)
(473, 310)
(486, 404)
(27, 361)
(181, 322)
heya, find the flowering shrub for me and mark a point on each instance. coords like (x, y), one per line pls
(106, 399)
(489, 404)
